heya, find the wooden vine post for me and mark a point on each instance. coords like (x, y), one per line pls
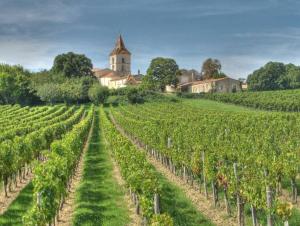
(294, 190)
(269, 201)
(227, 205)
(203, 174)
(169, 142)
(214, 193)
(156, 204)
(239, 201)
(254, 216)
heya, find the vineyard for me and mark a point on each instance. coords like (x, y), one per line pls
(244, 158)
(164, 163)
(283, 100)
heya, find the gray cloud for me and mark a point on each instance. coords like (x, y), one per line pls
(242, 34)
(22, 12)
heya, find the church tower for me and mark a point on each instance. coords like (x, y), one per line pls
(120, 58)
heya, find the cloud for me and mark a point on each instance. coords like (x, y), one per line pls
(242, 34)
(34, 55)
(31, 11)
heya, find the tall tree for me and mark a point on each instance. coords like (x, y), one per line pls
(211, 68)
(14, 85)
(161, 72)
(71, 64)
(274, 75)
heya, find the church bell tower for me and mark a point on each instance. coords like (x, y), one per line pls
(120, 58)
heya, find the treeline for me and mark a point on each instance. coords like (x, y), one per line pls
(274, 76)
(70, 80)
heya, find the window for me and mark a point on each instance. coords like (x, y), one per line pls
(123, 60)
(233, 88)
(122, 67)
(113, 60)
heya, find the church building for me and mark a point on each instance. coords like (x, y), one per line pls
(119, 74)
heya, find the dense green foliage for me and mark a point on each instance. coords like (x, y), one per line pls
(72, 65)
(98, 94)
(14, 85)
(56, 88)
(134, 96)
(68, 81)
(264, 146)
(280, 100)
(161, 72)
(274, 76)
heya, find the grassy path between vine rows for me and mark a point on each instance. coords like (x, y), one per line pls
(99, 198)
(175, 202)
(17, 209)
(5, 202)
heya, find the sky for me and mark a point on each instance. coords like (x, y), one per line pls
(242, 34)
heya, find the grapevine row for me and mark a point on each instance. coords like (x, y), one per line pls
(31, 116)
(137, 173)
(283, 100)
(52, 178)
(35, 125)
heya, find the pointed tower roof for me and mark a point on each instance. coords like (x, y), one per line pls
(120, 47)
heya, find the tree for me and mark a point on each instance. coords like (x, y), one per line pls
(211, 68)
(273, 76)
(7, 88)
(161, 72)
(71, 64)
(14, 85)
(67, 90)
(293, 76)
(98, 94)
(50, 92)
(134, 96)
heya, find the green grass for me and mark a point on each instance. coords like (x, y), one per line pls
(14, 214)
(99, 199)
(214, 105)
(179, 207)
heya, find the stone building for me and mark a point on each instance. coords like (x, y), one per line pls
(186, 76)
(220, 85)
(119, 74)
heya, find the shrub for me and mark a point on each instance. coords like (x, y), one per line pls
(98, 94)
(134, 96)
